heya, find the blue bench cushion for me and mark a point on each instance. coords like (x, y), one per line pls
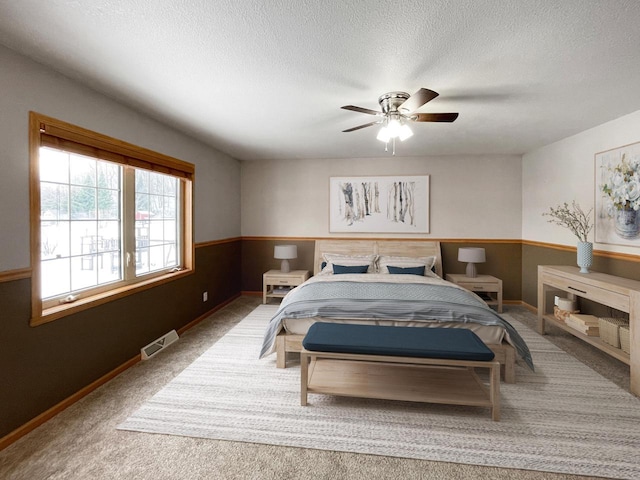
(423, 342)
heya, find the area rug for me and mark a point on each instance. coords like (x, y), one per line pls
(562, 418)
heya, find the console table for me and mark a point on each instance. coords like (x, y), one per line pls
(616, 292)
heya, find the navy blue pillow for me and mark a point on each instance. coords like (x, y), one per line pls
(407, 270)
(322, 265)
(338, 269)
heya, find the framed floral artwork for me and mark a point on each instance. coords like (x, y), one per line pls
(617, 203)
(387, 204)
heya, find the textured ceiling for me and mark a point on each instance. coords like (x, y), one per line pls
(266, 79)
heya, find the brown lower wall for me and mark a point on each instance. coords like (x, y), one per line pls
(503, 261)
(41, 366)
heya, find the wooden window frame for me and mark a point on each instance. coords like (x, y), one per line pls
(48, 131)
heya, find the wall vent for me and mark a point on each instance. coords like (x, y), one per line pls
(159, 344)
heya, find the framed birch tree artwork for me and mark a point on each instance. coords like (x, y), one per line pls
(387, 204)
(617, 202)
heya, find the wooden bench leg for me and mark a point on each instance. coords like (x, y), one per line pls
(494, 393)
(510, 366)
(281, 354)
(304, 378)
(506, 355)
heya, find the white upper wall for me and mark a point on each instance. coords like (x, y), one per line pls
(563, 172)
(471, 196)
(26, 85)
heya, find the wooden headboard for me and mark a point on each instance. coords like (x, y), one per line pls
(402, 248)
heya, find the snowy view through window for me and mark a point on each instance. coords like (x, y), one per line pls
(83, 227)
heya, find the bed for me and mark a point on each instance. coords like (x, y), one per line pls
(387, 298)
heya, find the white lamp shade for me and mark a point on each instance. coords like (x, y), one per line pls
(285, 252)
(472, 254)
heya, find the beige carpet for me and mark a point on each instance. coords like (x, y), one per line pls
(563, 418)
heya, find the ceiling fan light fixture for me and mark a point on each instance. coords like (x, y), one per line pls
(394, 129)
(394, 126)
(405, 132)
(396, 110)
(384, 135)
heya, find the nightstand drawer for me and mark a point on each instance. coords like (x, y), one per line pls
(282, 281)
(480, 287)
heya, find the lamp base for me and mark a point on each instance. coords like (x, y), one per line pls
(471, 270)
(284, 266)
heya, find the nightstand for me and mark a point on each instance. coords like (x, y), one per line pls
(487, 284)
(276, 284)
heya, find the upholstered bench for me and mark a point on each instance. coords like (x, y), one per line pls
(433, 365)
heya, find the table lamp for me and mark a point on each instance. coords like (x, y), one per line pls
(285, 253)
(472, 255)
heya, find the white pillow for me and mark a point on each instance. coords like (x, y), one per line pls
(348, 260)
(404, 262)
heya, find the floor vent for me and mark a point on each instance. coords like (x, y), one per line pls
(157, 345)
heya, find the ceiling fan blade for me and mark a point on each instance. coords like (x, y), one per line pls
(362, 126)
(434, 117)
(418, 99)
(361, 110)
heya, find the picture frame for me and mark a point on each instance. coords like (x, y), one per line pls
(617, 196)
(382, 204)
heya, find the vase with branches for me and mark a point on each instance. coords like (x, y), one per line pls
(580, 224)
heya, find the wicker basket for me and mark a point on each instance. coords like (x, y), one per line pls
(563, 314)
(624, 338)
(610, 330)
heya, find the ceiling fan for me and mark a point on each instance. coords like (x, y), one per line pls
(398, 108)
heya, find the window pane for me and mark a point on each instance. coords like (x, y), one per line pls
(84, 271)
(170, 185)
(142, 261)
(54, 201)
(156, 258)
(142, 206)
(156, 181)
(142, 181)
(170, 255)
(170, 231)
(156, 204)
(54, 240)
(109, 236)
(157, 231)
(54, 165)
(115, 268)
(108, 175)
(56, 279)
(83, 203)
(84, 238)
(109, 268)
(108, 204)
(82, 170)
(84, 252)
(169, 207)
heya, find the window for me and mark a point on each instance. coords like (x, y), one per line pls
(108, 218)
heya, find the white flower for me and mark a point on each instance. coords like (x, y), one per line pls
(621, 184)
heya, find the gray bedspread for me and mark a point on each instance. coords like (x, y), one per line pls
(347, 297)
